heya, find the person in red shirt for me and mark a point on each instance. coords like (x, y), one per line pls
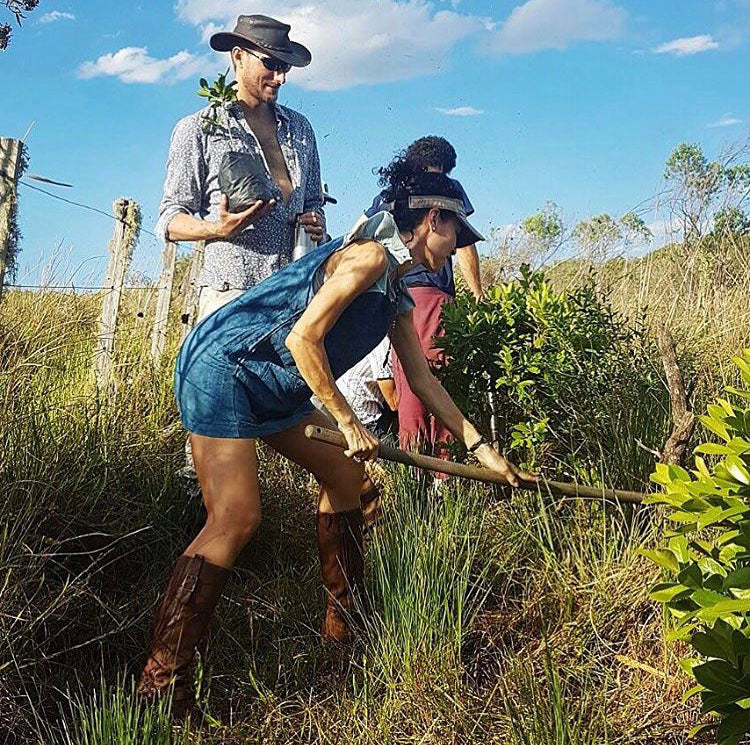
(430, 291)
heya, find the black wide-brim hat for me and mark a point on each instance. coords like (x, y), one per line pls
(267, 34)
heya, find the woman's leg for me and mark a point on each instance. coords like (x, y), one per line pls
(228, 474)
(369, 495)
(339, 523)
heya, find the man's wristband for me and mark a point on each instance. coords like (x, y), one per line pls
(481, 441)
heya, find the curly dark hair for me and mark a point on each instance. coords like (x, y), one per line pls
(432, 152)
(403, 178)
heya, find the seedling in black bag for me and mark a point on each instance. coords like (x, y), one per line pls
(243, 176)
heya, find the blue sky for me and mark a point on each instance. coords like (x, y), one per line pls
(576, 101)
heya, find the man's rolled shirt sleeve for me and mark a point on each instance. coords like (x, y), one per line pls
(186, 175)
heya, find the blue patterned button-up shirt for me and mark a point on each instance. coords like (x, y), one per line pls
(192, 187)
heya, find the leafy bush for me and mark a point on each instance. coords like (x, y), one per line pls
(707, 555)
(572, 381)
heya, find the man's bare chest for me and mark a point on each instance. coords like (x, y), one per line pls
(269, 143)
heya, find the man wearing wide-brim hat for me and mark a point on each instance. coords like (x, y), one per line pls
(249, 244)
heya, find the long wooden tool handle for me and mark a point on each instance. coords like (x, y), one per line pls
(321, 434)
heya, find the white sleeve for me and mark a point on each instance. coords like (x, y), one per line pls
(380, 360)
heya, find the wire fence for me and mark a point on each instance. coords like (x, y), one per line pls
(138, 286)
(144, 265)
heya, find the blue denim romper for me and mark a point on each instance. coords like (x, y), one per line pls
(235, 377)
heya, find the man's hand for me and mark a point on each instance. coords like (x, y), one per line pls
(490, 458)
(231, 223)
(314, 224)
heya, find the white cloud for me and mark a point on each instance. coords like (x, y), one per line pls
(134, 65)
(556, 24)
(356, 42)
(353, 42)
(56, 15)
(460, 111)
(209, 30)
(688, 45)
(726, 121)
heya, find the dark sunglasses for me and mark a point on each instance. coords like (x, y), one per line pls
(271, 63)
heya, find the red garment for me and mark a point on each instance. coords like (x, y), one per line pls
(416, 424)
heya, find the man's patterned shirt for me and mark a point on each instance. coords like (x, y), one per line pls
(192, 187)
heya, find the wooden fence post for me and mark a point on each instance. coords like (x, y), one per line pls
(10, 161)
(159, 334)
(190, 304)
(120, 252)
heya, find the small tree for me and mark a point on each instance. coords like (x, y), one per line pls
(544, 229)
(219, 94)
(562, 366)
(695, 182)
(634, 230)
(531, 243)
(697, 185)
(597, 237)
(731, 222)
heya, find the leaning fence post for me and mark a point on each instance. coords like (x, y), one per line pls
(11, 165)
(190, 304)
(127, 223)
(159, 334)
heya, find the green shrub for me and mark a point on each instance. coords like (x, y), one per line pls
(573, 382)
(707, 554)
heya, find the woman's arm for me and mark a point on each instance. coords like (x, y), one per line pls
(387, 388)
(425, 385)
(432, 394)
(357, 269)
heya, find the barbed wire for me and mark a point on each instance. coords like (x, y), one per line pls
(89, 287)
(82, 205)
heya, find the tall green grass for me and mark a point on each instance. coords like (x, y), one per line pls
(545, 709)
(426, 578)
(114, 714)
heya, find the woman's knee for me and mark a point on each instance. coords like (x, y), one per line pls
(238, 525)
(248, 526)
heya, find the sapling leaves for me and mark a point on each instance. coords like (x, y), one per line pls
(219, 94)
(709, 603)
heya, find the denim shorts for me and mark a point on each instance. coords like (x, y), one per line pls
(217, 398)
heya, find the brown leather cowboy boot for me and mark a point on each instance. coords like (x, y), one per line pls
(342, 568)
(180, 624)
(369, 501)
